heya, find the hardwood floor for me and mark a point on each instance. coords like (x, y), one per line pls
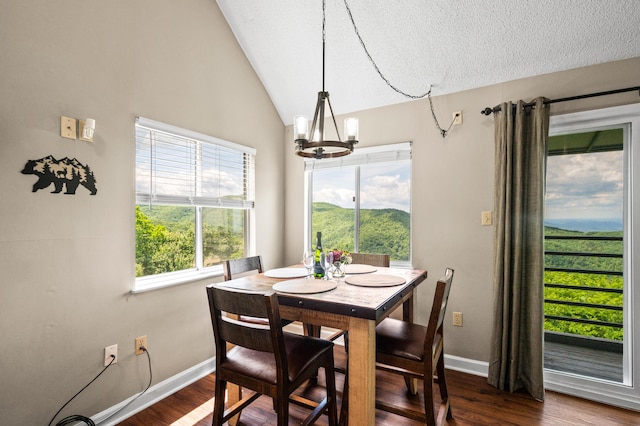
(473, 402)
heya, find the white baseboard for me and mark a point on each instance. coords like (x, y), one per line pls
(158, 392)
(466, 365)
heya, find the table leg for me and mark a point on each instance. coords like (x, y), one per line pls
(362, 372)
(407, 309)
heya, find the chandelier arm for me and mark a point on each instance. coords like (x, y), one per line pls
(334, 118)
(321, 118)
(316, 114)
(366, 51)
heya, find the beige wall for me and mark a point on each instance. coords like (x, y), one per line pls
(453, 183)
(67, 261)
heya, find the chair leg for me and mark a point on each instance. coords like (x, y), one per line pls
(428, 394)
(412, 384)
(218, 405)
(282, 411)
(330, 380)
(442, 384)
(344, 407)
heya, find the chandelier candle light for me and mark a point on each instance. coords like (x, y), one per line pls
(317, 147)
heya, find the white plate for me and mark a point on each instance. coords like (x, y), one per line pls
(304, 286)
(358, 268)
(286, 273)
(374, 280)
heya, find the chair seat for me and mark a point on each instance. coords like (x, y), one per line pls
(301, 352)
(401, 339)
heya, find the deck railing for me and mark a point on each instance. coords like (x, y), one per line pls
(583, 288)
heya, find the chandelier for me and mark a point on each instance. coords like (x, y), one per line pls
(316, 146)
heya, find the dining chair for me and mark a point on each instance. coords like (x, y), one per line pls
(265, 359)
(383, 260)
(234, 267)
(416, 351)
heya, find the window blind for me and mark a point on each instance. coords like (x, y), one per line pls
(176, 166)
(361, 156)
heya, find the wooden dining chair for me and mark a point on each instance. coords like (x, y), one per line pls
(383, 260)
(265, 359)
(234, 267)
(416, 351)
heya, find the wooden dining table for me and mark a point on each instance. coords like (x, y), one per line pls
(356, 308)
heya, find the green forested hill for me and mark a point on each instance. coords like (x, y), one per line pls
(591, 280)
(165, 242)
(381, 230)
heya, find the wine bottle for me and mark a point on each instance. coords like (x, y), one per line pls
(318, 270)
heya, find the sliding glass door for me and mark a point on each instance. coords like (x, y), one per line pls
(592, 188)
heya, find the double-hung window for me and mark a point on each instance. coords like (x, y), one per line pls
(362, 202)
(194, 199)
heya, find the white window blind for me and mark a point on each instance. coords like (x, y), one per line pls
(176, 166)
(361, 156)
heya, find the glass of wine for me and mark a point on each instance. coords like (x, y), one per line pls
(307, 261)
(327, 264)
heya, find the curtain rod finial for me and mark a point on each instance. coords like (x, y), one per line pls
(486, 111)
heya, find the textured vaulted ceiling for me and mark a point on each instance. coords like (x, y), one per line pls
(453, 45)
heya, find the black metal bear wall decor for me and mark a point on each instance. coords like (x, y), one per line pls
(69, 172)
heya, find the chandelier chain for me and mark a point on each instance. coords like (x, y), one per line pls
(366, 51)
(442, 131)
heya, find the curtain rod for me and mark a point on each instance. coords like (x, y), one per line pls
(489, 110)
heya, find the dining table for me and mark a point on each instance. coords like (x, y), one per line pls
(355, 303)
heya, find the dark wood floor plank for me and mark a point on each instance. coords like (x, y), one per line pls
(473, 403)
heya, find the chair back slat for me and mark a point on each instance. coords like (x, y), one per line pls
(253, 336)
(383, 260)
(241, 333)
(235, 267)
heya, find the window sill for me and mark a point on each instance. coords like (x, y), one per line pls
(171, 279)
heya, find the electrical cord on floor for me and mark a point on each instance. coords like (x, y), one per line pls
(79, 418)
(141, 393)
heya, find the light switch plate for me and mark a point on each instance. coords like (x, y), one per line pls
(68, 127)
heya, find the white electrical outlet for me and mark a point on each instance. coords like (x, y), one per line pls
(108, 351)
(487, 218)
(457, 319)
(141, 342)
